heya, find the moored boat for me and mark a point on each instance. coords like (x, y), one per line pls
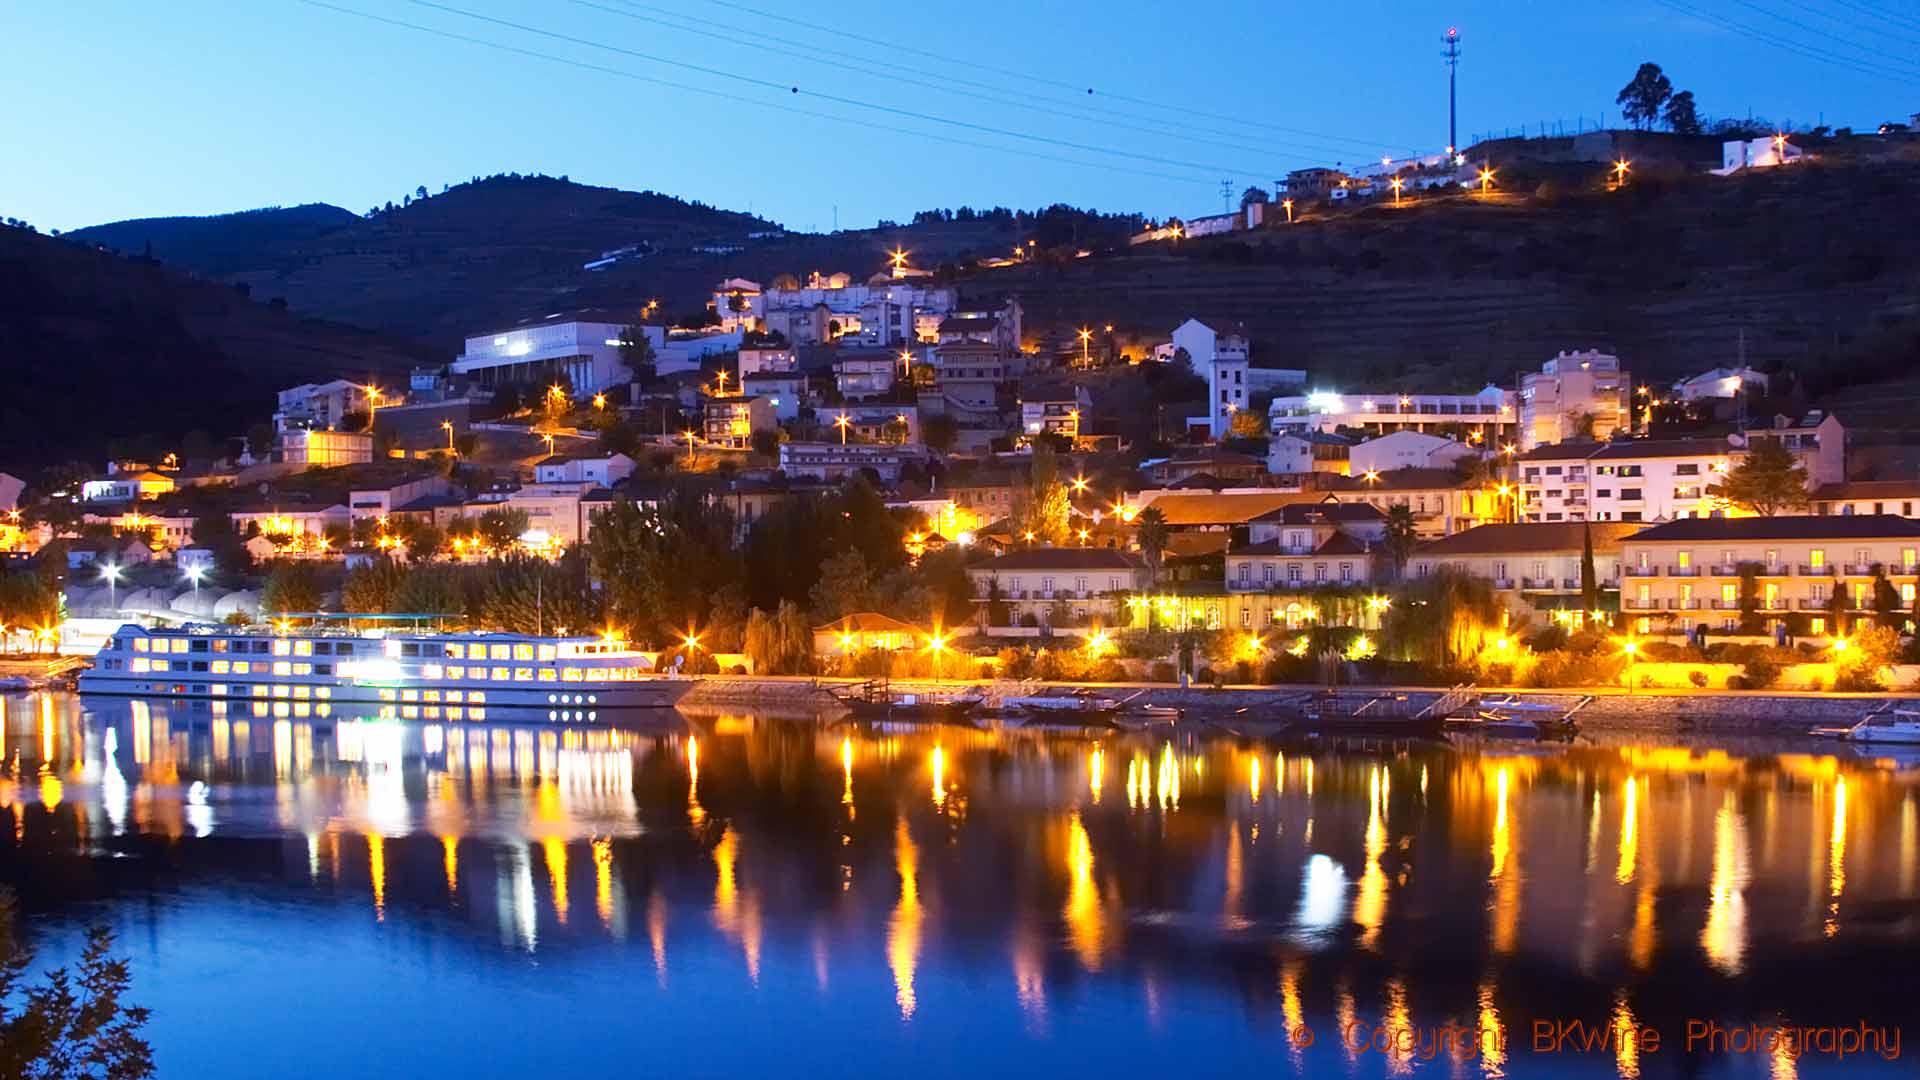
(1882, 725)
(455, 674)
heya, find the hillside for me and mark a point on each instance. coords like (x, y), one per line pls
(221, 243)
(1810, 262)
(100, 349)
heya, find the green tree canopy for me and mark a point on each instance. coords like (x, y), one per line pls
(76, 1025)
(373, 588)
(1151, 531)
(665, 567)
(1640, 100)
(1768, 481)
(501, 527)
(1400, 536)
(1682, 117)
(292, 586)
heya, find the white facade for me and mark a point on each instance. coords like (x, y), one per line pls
(784, 392)
(1555, 400)
(584, 355)
(603, 471)
(835, 462)
(1721, 382)
(1762, 153)
(684, 350)
(1489, 413)
(859, 377)
(1221, 359)
(318, 405)
(1635, 480)
(882, 312)
(1407, 450)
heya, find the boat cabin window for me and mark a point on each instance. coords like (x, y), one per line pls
(323, 648)
(523, 651)
(220, 644)
(343, 649)
(410, 649)
(199, 646)
(456, 651)
(501, 652)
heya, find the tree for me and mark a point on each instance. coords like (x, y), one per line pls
(424, 542)
(1151, 531)
(372, 589)
(1641, 99)
(1870, 651)
(636, 351)
(1681, 115)
(75, 1026)
(1247, 424)
(781, 643)
(291, 587)
(845, 587)
(939, 432)
(1589, 575)
(433, 590)
(1443, 619)
(668, 566)
(1044, 509)
(501, 527)
(1767, 481)
(1750, 622)
(214, 532)
(765, 442)
(1887, 609)
(1400, 537)
(1254, 194)
(524, 594)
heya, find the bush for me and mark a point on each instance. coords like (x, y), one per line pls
(1697, 678)
(1203, 675)
(1735, 682)
(1162, 671)
(1760, 671)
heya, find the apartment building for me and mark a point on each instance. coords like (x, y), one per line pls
(1867, 497)
(1441, 502)
(1628, 480)
(1053, 409)
(1409, 450)
(1537, 562)
(1033, 584)
(1804, 568)
(595, 468)
(1817, 440)
(729, 422)
(578, 349)
(1306, 546)
(1294, 452)
(1487, 418)
(1575, 394)
(836, 462)
(865, 375)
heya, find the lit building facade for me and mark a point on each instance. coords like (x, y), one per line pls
(1581, 394)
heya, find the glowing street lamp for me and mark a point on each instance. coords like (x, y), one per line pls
(689, 434)
(112, 574)
(1486, 180)
(843, 423)
(1287, 205)
(1620, 169)
(600, 401)
(1397, 183)
(447, 426)
(1079, 484)
(898, 256)
(373, 404)
(937, 644)
(194, 574)
(1086, 337)
(1632, 649)
(1372, 477)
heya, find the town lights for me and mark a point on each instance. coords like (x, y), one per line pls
(194, 574)
(599, 401)
(1086, 337)
(1397, 183)
(1287, 205)
(1079, 484)
(112, 574)
(1097, 643)
(1620, 169)
(1486, 180)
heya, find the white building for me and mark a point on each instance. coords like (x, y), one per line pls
(1557, 400)
(1484, 419)
(686, 350)
(1817, 439)
(858, 377)
(322, 449)
(884, 311)
(1408, 450)
(1720, 383)
(318, 405)
(1630, 480)
(126, 486)
(1054, 410)
(596, 469)
(1293, 452)
(10, 488)
(378, 503)
(580, 350)
(784, 391)
(835, 462)
(1762, 153)
(1221, 359)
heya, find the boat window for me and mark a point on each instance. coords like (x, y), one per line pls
(198, 646)
(571, 674)
(303, 648)
(547, 674)
(323, 648)
(242, 667)
(410, 649)
(219, 644)
(343, 649)
(140, 644)
(282, 667)
(456, 651)
(199, 665)
(431, 671)
(501, 652)
(456, 671)
(523, 651)
(323, 669)
(523, 674)
(282, 647)
(499, 674)
(548, 652)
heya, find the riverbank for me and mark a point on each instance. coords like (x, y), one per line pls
(1773, 712)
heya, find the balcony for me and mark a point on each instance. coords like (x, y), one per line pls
(1725, 605)
(1683, 605)
(1639, 571)
(1634, 604)
(1815, 604)
(1503, 583)
(1683, 571)
(1858, 569)
(1814, 571)
(1538, 584)
(1726, 570)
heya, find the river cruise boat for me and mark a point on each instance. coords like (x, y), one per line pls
(563, 675)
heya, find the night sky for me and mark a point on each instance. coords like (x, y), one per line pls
(122, 109)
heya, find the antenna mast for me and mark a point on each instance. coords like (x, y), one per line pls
(1452, 57)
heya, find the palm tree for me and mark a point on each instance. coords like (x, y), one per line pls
(1150, 530)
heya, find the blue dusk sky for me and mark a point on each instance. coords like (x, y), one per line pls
(120, 109)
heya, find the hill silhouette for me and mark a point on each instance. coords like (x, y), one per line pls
(102, 349)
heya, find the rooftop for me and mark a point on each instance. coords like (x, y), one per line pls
(868, 622)
(1794, 527)
(1225, 508)
(1088, 558)
(1867, 489)
(1531, 538)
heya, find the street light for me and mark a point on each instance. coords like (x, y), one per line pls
(689, 435)
(1397, 184)
(898, 256)
(1287, 205)
(1086, 336)
(447, 426)
(1486, 180)
(599, 401)
(842, 423)
(194, 574)
(1620, 169)
(1632, 649)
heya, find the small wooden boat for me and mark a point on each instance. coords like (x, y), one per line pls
(1883, 725)
(1517, 718)
(1383, 716)
(876, 701)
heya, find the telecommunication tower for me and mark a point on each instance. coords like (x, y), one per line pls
(1452, 57)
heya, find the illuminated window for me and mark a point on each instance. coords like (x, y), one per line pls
(282, 667)
(548, 652)
(259, 691)
(140, 644)
(218, 667)
(456, 695)
(303, 648)
(323, 692)
(281, 691)
(523, 674)
(549, 675)
(302, 692)
(409, 695)
(498, 674)
(502, 652)
(179, 645)
(387, 695)
(303, 669)
(523, 651)
(141, 665)
(456, 651)
(1817, 558)
(430, 695)
(242, 667)
(571, 674)
(218, 690)
(456, 671)
(597, 674)
(219, 644)
(477, 698)
(282, 647)
(431, 671)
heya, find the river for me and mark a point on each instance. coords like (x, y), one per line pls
(733, 895)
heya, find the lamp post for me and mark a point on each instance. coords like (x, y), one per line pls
(1620, 169)
(1086, 338)
(689, 435)
(842, 423)
(373, 404)
(1287, 205)
(1632, 649)
(194, 574)
(1397, 184)
(1486, 180)
(447, 426)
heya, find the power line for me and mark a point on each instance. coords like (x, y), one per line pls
(1029, 76)
(725, 96)
(844, 63)
(1816, 31)
(835, 98)
(1864, 10)
(1791, 46)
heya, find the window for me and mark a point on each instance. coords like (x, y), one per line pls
(1346, 572)
(499, 652)
(1690, 469)
(1320, 573)
(1684, 560)
(303, 648)
(523, 651)
(499, 673)
(456, 651)
(1817, 558)
(1266, 574)
(1817, 625)
(1293, 573)
(1629, 494)
(1246, 575)
(1729, 593)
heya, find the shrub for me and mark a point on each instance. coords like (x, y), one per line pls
(1735, 682)
(1162, 671)
(1760, 671)
(1204, 675)
(1697, 678)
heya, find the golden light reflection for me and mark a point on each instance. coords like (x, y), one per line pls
(1096, 767)
(1506, 899)
(1837, 857)
(450, 857)
(1370, 903)
(1783, 1065)
(657, 934)
(1725, 936)
(846, 771)
(1641, 941)
(1400, 1033)
(733, 915)
(939, 768)
(1909, 843)
(1502, 835)
(1347, 1017)
(1253, 778)
(555, 850)
(1279, 773)
(695, 812)
(1029, 974)
(1493, 1037)
(1167, 782)
(1629, 834)
(377, 870)
(603, 880)
(1290, 1009)
(903, 930)
(1626, 1048)
(1136, 788)
(1309, 777)
(1086, 923)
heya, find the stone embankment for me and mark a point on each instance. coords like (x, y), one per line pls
(1742, 712)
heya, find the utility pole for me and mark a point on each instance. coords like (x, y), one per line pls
(1452, 57)
(1226, 196)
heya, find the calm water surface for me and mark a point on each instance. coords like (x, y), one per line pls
(715, 894)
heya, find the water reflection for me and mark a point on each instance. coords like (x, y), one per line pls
(953, 880)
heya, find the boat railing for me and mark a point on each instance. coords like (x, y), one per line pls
(1454, 700)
